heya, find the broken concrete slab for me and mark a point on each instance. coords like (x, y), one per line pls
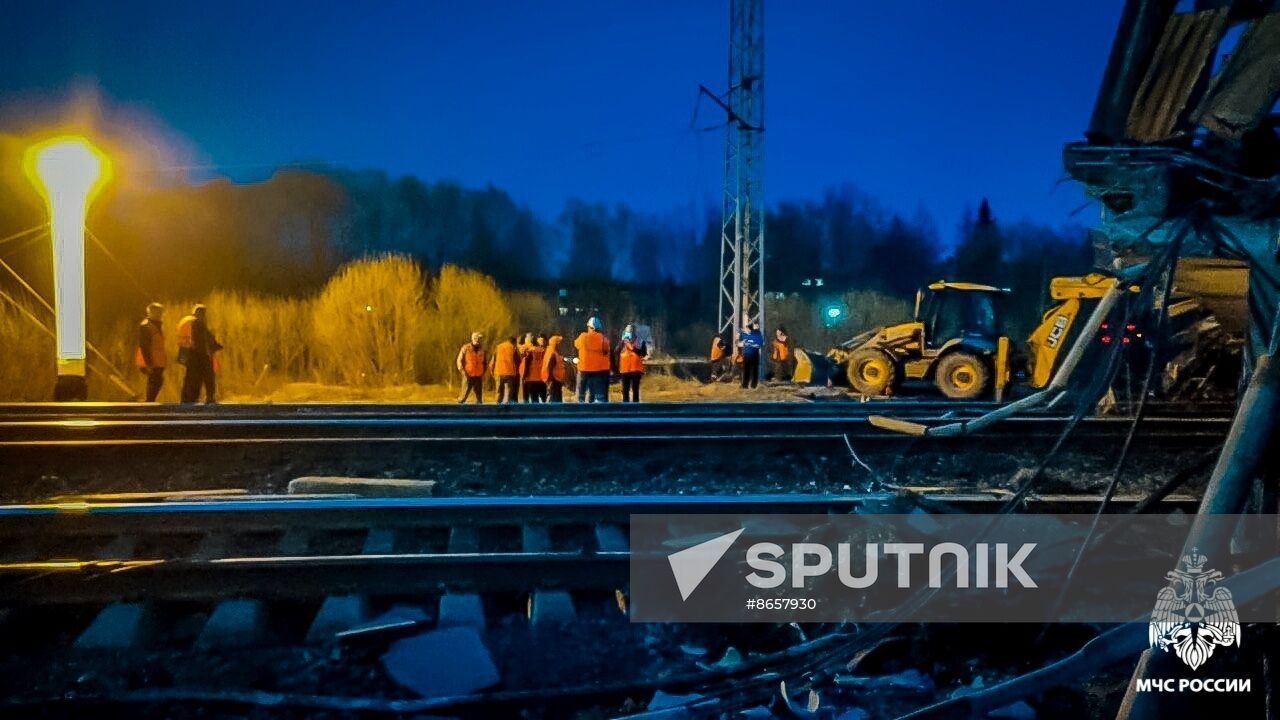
(234, 623)
(116, 627)
(364, 487)
(440, 663)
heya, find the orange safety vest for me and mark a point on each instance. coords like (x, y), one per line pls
(780, 350)
(717, 351)
(533, 356)
(506, 359)
(184, 331)
(593, 351)
(630, 361)
(159, 358)
(553, 362)
(473, 360)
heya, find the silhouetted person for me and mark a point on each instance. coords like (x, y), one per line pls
(198, 346)
(151, 357)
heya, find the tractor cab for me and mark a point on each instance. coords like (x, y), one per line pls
(948, 312)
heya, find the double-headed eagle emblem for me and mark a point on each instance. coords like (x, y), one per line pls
(1193, 615)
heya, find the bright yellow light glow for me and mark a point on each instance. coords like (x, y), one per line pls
(69, 172)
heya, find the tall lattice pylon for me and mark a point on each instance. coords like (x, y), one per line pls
(742, 222)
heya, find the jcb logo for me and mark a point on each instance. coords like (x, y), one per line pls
(1057, 331)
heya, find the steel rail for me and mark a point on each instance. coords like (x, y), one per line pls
(563, 429)
(273, 572)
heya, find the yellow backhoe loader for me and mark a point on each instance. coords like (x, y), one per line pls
(954, 340)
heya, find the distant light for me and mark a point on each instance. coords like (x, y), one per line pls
(68, 172)
(833, 314)
(1106, 339)
(368, 308)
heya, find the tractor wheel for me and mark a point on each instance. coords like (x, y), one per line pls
(961, 376)
(871, 371)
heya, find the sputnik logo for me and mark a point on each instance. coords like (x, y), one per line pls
(691, 565)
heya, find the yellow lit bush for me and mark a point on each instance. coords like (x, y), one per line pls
(368, 320)
(459, 302)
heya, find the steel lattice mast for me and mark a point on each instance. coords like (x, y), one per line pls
(742, 221)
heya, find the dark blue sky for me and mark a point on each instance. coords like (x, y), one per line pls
(917, 102)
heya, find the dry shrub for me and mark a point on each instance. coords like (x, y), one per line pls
(367, 321)
(460, 302)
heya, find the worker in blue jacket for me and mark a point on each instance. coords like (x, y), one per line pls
(750, 343)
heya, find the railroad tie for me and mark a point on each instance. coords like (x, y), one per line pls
(121, 547)
(462, 609)
(546, 606)
(118, 626)
(241, 622)
(379, 541)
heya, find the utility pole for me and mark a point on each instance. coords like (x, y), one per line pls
(742, 221)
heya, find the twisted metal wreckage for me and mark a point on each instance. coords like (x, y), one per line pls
(1183, 157)
(1182, 154)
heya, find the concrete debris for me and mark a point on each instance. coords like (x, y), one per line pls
(442, 663)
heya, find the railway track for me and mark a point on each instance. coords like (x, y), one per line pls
(123, 425)
(309, 548)
(197, 605)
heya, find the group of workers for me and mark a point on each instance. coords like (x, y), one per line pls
(745, 359)
(535, 370)
(197, 351)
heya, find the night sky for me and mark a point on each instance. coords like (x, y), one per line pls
(918, 103)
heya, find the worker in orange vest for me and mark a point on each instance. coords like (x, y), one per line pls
(719, 361)
(472, 362)
(631, 364)
(151, 357)
(593, 363)
(532, 353)
(506, 368)
(554, 370)
(197, 347)
(781, 356)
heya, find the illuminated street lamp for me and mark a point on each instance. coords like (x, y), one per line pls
(68, 172)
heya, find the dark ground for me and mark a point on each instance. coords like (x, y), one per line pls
(612, 467)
